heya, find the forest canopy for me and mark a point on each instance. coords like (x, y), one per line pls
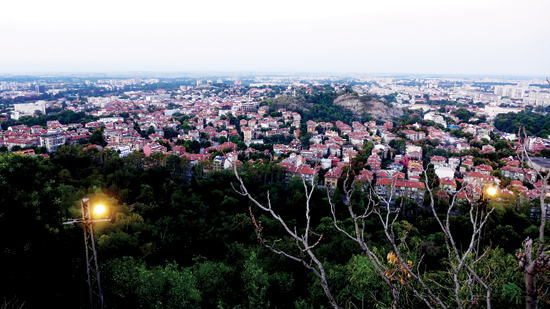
(535, 124)
(179, 242)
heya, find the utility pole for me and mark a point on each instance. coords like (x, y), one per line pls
(94, 284)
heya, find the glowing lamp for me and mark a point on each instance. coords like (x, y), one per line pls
(492, 191)
(99, 209)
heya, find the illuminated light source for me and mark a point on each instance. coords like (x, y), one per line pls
(99, 209)
(491, 191)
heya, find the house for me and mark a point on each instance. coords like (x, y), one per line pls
(462, 146)
(123, 150)
(178, 150)
(375, 162)
(466, 166)
(454, 162)
(519, 173)
(316, 139)
(448, 185)
(11, 142)
(487, 149)
(364, 175)
(438, 161)
(308, 173)
(153, 147)
(484, 169)
(414, 135)
(413, 151)
(247, 133)
(415, 170)
(311, 125)
(323, 149)
(479, 178)
(220, 163)
(26, 152)
(332, 176)
(387, 188)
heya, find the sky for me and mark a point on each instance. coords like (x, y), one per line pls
(468, 37)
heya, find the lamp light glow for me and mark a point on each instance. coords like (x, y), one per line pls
(491, 191)
(99, 209)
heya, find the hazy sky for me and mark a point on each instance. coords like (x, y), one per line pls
(383, 36)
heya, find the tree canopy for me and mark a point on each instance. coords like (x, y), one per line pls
(535, 124)
(189, 242)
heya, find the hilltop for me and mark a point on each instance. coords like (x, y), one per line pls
(291, 103)
(358, 105)
(369, 105)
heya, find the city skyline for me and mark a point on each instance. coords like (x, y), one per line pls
(395, 37)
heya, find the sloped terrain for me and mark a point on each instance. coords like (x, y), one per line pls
(292, 103)
(375, 108)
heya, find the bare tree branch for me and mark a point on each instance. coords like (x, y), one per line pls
(302, 240)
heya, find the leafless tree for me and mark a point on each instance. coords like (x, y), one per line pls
(533, 260)
(411, 276)
(12, 303)
(304, 243)
(403, 275)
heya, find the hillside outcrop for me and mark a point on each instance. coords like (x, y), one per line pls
(360, 105)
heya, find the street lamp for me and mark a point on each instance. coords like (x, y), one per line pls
(489, 192)
(99, 209)
(87, 220)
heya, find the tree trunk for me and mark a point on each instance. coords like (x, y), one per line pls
(531, 268)
(532, 299)
(395, 293)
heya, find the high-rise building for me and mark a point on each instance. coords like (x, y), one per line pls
(40, 88)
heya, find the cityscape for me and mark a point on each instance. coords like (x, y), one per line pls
(290, 154)
(410, 144)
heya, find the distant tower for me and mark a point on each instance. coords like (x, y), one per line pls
(40, 88)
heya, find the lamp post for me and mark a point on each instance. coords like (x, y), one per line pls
(487, 193)
(491, 190)
(87, 220)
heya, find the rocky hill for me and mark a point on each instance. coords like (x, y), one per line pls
(375, 108)
(291, 103)
(357, 105)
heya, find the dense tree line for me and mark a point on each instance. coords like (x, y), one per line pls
(64, 117)
(535, 124)
(317, 106)
(179, 239)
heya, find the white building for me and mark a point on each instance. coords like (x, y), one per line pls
(493, 111)
(30, 108)
(444, 172)
(110, 120)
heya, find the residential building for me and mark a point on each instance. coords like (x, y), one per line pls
(52, 139)
(332, 176)
(392, 187)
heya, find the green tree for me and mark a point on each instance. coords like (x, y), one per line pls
(97, 138)
(170, 133)
(463, 114)
(134, 285)
(222, 139)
